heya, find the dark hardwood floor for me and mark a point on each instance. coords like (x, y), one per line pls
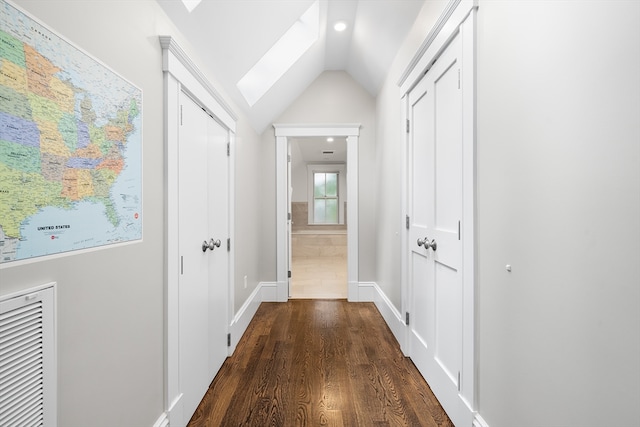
(318, 363)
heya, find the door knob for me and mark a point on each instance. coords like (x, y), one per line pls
(425, 242)
(210, 245)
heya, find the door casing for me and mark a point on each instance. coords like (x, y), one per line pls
(351, 131)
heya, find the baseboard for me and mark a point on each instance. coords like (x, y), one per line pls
(389, 313)
(175, 413)
(366, 292)
(162, 421)
(243, 317)
(478, 421)
(268, 291)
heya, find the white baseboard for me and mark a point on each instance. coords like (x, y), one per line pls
(389, 313)
(162, 421)
(175, 413)
(366, 292)
(478, 421)
(243, 317)
(269, 291)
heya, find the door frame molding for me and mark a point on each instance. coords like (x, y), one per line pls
(182, 75)
(351, 131)
(458, 17)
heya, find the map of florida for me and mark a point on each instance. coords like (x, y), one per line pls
(52, 152)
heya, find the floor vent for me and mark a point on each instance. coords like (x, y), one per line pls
(27, 366)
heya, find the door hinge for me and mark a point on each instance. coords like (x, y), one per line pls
(289, 216)
(181, 264)
(407, 220)
(459, 380)
(289, 274)
(408, 125)
(181, 115)
(228, 149)
(288, 158)
(229, 244)
(229, 340)
(458, 230)
(406, 318)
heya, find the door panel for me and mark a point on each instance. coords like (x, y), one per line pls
(422, 293)
(447, 320)
(435, 209)
(194, 288)
(203, 216)
(218, 193)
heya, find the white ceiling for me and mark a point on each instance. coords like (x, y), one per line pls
(232, 35)
(314, 150)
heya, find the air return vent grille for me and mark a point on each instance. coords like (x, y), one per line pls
(26, 327)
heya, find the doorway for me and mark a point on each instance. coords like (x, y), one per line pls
(318, 206)
(283, 133)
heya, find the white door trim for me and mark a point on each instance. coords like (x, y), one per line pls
(181, 74)
(282, 132)
(459, 17)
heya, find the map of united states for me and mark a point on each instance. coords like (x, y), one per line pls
(61, 156)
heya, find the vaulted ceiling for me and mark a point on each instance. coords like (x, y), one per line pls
(231, 36)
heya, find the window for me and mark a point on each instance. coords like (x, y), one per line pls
(282, 55)
(325, 197)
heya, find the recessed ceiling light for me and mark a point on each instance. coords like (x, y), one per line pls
(340, 26)
(330, 139)
(191, 4)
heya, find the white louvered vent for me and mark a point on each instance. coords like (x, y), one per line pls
(27, 389)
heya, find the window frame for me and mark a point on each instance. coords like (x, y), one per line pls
(336, 167)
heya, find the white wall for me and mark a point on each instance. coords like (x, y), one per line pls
(390, 137)
(559, 200)
(247, 211)
(110, 302)
(334, 97)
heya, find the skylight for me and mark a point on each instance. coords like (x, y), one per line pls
(282, 55)
(191, 4)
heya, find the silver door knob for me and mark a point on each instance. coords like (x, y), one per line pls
(425, 242)
(210, 245)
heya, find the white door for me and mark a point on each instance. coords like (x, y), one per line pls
(204, 263)
(435, 246)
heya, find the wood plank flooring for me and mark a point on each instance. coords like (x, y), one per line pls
(318, 363)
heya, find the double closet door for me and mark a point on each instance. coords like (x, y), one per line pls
(434, 239)
(204, 259)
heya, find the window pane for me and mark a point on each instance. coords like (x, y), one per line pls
(332, 185)
(331, 211)
(319, 211)
(318, 185)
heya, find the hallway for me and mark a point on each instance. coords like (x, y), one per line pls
(318, 362)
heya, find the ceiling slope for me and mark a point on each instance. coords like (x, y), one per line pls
(232, 35)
